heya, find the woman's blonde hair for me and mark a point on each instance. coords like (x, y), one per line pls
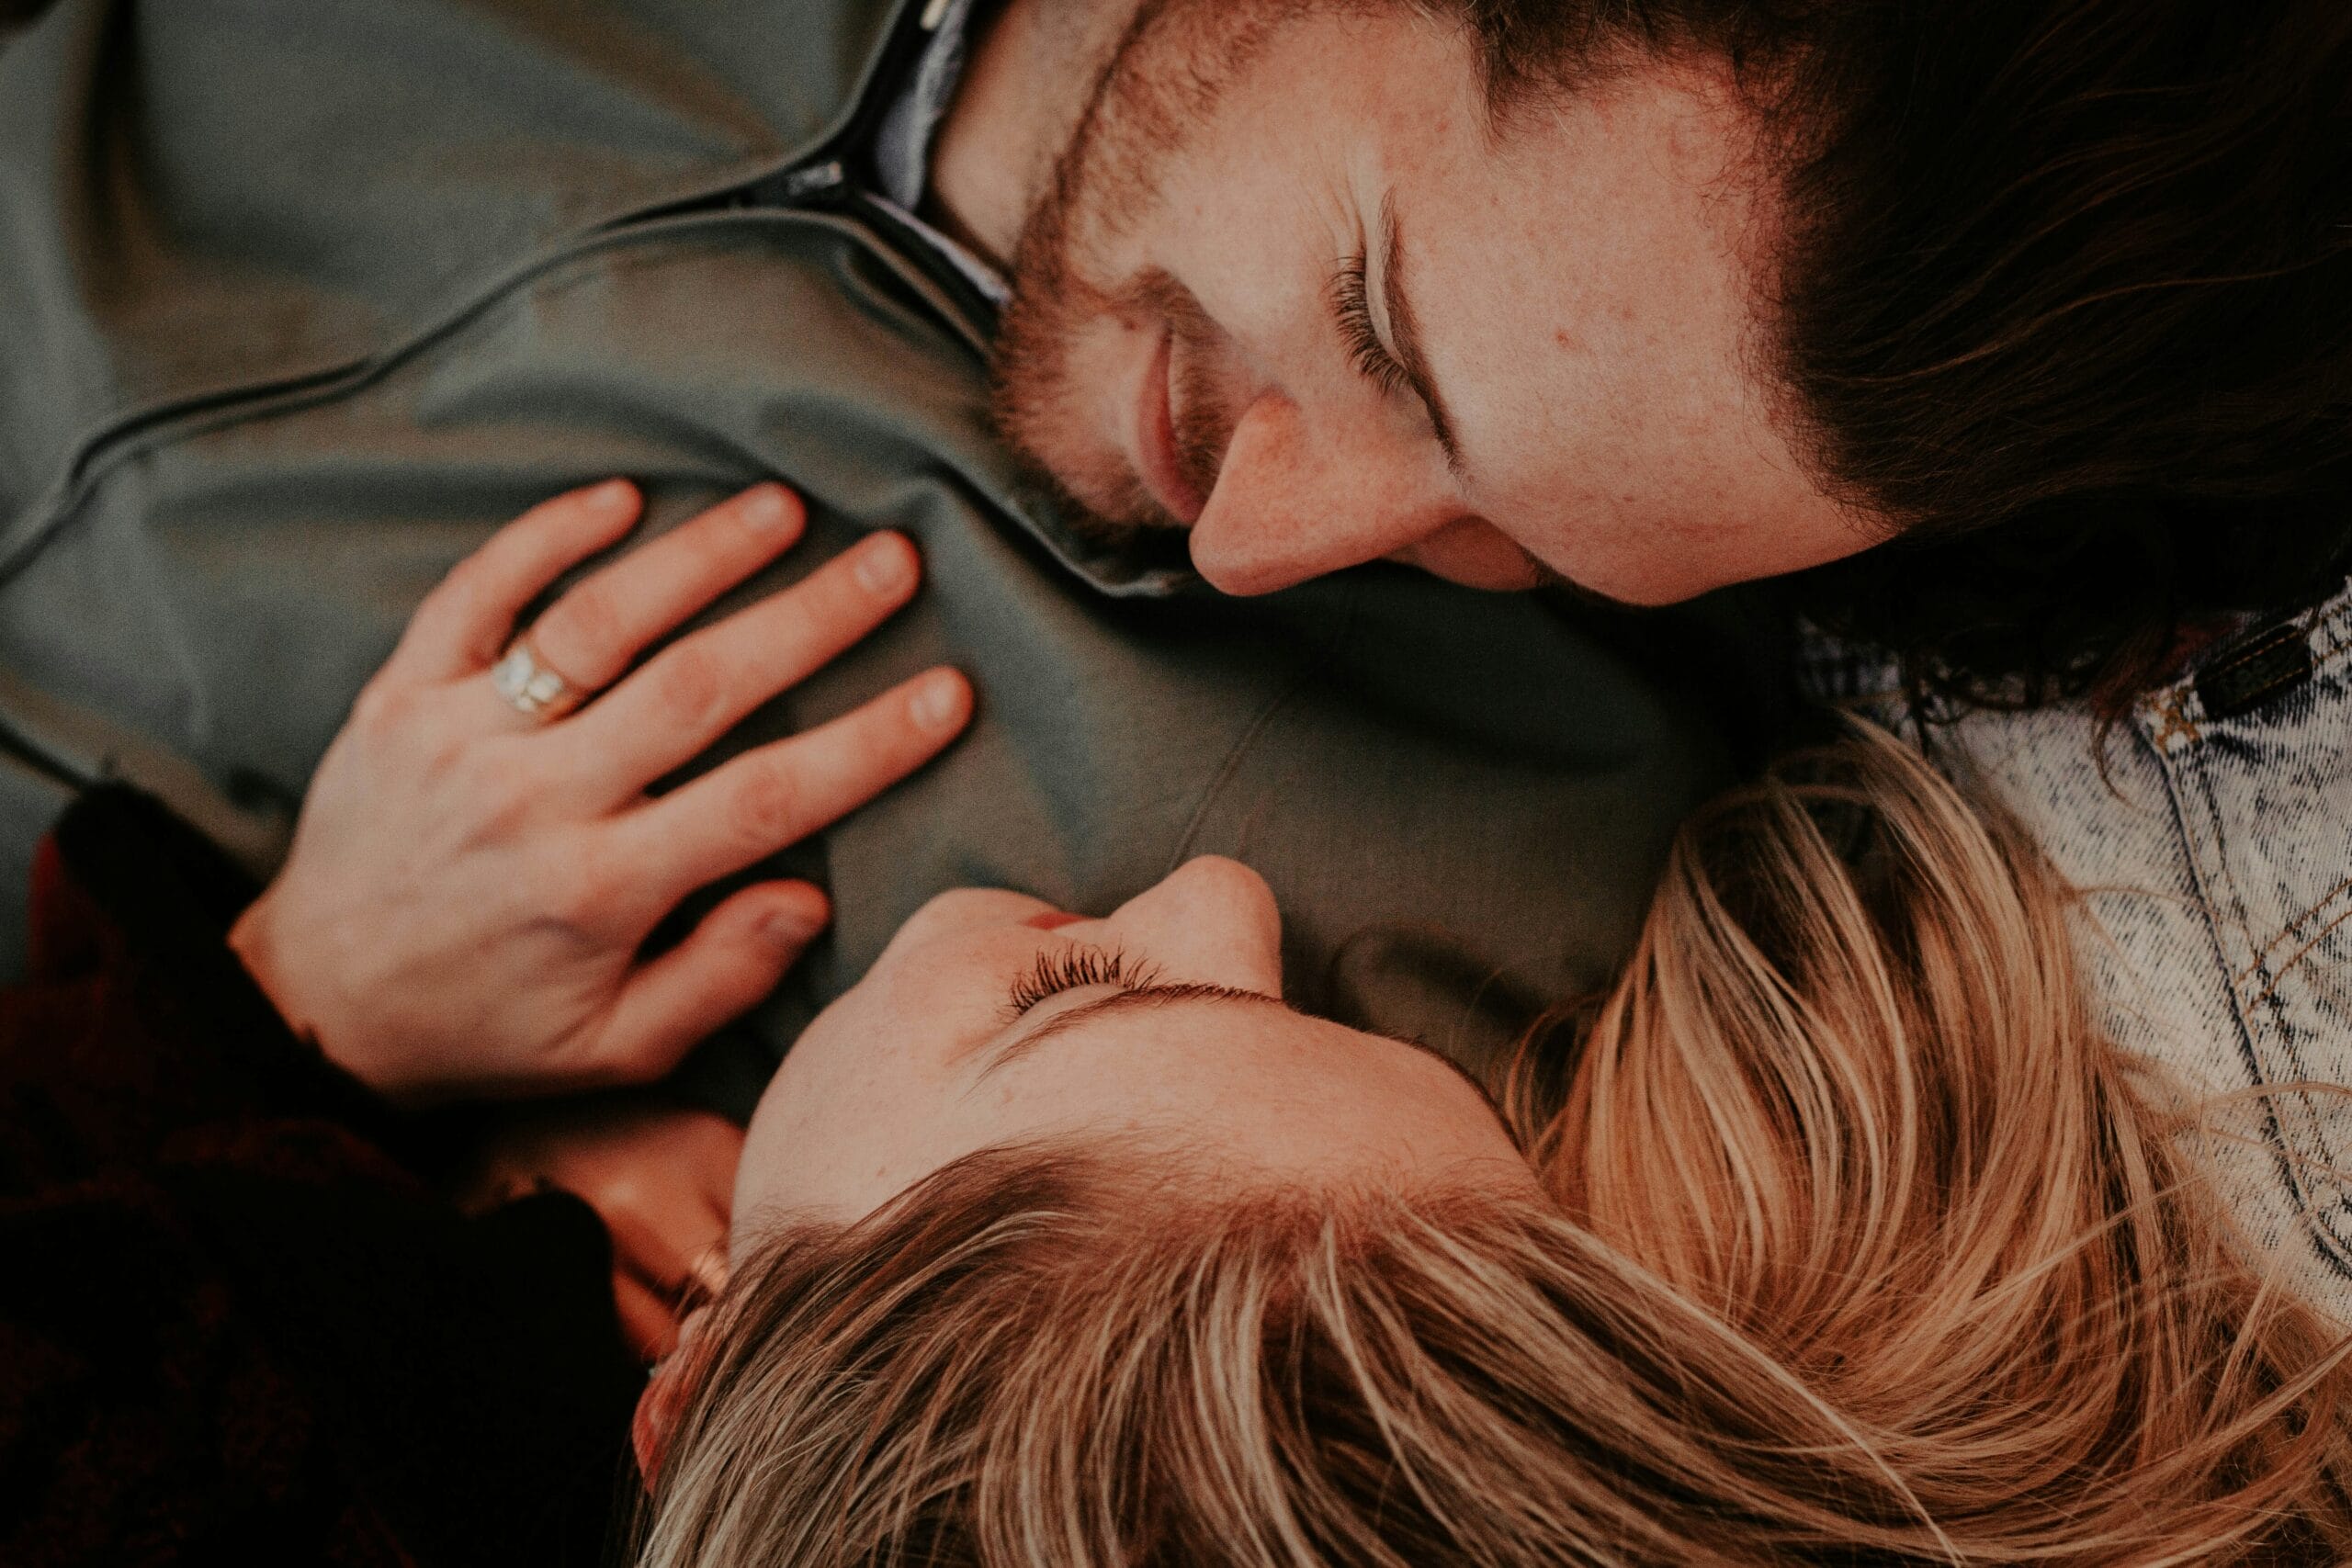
(1861, 1246)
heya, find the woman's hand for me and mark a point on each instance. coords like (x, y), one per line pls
(469, 884)
(663, 1181)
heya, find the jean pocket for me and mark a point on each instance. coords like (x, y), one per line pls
(2256, 751)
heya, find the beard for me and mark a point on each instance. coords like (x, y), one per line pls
(1163, 79)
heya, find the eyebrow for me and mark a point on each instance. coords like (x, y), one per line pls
(1405, 326)
(1133, 998)
(1142, 997)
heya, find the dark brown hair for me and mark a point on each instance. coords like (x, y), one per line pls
(2065, 296)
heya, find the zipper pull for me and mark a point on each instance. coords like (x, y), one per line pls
(800, 184)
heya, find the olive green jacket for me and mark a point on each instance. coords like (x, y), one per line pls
(300, 299)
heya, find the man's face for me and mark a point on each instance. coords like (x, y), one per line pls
(1293, 288)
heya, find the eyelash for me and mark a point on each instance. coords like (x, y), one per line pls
(1069, 969)
(1351, 299)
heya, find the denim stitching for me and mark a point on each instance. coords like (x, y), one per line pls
(2304, 951)
(2181, 740)
(2295, 926)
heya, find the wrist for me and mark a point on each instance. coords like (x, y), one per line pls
(296, 964)
(254, 940)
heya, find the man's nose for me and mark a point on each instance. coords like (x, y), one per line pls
(1293, 503)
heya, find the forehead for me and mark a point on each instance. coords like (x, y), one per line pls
(1256, 1081)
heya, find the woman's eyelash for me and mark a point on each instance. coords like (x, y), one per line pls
(1072, 968)
(1351, 301)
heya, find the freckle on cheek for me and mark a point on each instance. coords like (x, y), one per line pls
(1562, 338)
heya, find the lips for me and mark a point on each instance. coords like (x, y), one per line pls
(1162, 475)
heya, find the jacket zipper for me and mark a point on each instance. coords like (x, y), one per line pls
(820, 180)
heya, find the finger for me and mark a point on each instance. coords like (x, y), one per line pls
(706, 1148)
(766, 799)
(717, 1152)
(596, 630)
(660, 1233)
(689, 695)
(726, 967)
(648, 1323)
(463, 624)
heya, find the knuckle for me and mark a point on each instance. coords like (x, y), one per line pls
(588, 624)
(382, 708)
(454, 618)
(620, 1057)
(876, 749)
(472, 582)
(718, 540)
(464, 580)
(690, 683)
(584, 888)
(764, 805)
(479, 648)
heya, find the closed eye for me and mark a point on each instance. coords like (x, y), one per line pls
(1350, 292)
(1073, 968)
(1398, 362)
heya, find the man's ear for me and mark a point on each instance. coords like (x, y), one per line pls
(665, 1396)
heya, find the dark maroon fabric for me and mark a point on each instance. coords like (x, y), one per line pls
(234, 1326)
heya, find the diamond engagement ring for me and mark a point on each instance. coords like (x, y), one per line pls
(530, 686)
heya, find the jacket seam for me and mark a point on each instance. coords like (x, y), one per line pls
(1214, 791)
(142, 437)
(2334, 1248)
(116, 436)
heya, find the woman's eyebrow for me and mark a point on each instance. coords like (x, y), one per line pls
(1121, 1001)
(1160, 996)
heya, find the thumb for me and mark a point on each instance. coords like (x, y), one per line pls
(729, 965)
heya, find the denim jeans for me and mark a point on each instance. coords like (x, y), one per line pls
(2209, 836)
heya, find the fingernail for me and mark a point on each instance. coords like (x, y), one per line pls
(940, 703)
(613, 495)
(882, 565)
(764, 507)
